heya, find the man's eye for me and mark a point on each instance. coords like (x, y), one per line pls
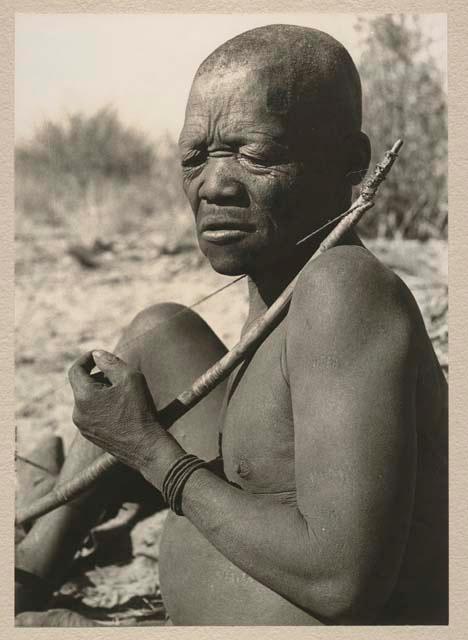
(193, 159)
(256, 160)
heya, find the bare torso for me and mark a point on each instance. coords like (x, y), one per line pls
(201, 587)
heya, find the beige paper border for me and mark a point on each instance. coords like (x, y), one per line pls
(458, 178)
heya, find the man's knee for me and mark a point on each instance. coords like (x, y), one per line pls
(169, 342)
(145, 327)
(153, 318)
(172, 345)
(167, 323)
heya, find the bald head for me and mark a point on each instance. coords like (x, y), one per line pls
(305, 74)
(271, 143)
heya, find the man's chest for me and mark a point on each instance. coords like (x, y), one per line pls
(257, 423)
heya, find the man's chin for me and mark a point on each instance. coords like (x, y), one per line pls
(238, 259)
(227, 267)
(227, 261)
(228, 264)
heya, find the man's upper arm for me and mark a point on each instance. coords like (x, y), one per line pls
(351, 372)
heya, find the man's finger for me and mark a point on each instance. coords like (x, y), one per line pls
(79, 372)
(111, 366)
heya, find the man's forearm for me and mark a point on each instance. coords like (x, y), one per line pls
(267, 539)
(263, 537)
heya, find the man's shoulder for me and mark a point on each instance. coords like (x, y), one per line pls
(346, 289)
(344, 268)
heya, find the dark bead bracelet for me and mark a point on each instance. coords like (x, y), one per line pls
(176, 479)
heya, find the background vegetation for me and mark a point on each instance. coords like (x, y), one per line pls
(95, 177)
(92, 176)
(404, 97)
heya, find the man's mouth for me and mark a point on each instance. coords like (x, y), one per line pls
(224, 236)
(225, 232)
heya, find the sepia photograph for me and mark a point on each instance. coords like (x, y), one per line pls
(231, 320)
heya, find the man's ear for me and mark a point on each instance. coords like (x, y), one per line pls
(359, 155)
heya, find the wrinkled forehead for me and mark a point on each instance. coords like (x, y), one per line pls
(241, 91)
(261, 96)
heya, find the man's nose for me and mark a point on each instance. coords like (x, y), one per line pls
(219, 181)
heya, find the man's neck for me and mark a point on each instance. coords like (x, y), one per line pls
(265, 286)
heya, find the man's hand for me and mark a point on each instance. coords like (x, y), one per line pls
(115, 411)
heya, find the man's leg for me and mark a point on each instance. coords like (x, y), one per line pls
(171, 347)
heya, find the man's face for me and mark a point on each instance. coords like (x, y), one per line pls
(253, 189)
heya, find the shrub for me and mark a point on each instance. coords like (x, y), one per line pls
(93, 176)
(404, 97)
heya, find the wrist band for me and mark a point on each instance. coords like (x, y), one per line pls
(176, 495)
(176, 478)
(173, 473)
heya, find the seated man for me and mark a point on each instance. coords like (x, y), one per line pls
(332, 505)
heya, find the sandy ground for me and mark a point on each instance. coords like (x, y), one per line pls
(63, 309)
